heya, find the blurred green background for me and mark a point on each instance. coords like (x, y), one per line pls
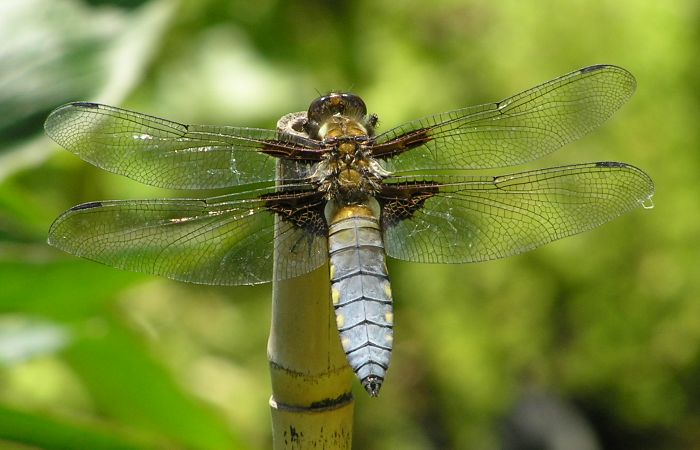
(593, 341)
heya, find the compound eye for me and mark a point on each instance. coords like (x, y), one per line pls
(354, 105)
(316, 108)
(333, 104)
(336, 103)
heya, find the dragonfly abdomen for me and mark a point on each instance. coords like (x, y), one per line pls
(361, 292)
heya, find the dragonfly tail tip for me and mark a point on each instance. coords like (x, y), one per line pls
(372, 384)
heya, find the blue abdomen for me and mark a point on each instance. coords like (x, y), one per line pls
(361, 293)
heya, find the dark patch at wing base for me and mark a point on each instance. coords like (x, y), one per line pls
(401, 144)
(302, 208)
(287, 150)
(400, 201)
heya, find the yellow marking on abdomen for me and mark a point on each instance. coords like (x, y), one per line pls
(387, 290)
(335, 296)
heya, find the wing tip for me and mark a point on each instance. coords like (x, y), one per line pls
(56, 119)
(620, 71)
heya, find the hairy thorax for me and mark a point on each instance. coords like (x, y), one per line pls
(347, 172)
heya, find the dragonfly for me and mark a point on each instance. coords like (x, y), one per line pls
(344, 194)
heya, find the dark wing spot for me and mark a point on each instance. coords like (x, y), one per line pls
(593, 68)
(610, 164)
(88, 205)
(86, 104)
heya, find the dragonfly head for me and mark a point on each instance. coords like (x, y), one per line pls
(337, 105)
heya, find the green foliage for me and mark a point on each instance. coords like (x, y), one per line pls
(91, 357)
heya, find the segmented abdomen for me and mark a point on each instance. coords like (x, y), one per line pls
(361, 294)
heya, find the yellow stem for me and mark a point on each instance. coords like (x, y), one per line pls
(311, 403)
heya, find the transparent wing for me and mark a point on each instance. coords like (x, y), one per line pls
(469, 219)
(516, 130)
(224, 241)
(167, 154)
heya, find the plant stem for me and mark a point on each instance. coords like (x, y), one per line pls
(311, 403)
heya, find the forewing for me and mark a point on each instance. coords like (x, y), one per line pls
(167, 154)
(223, 241)
(469, 219)
(516, 130)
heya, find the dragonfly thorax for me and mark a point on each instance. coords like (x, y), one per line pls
(348, 173)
